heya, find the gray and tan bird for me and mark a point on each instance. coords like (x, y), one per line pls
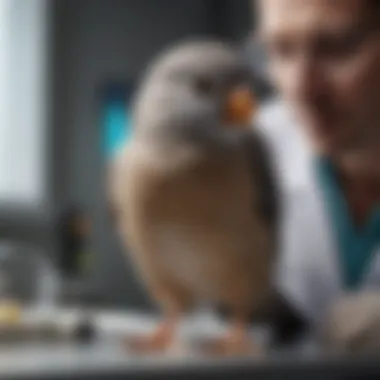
(193, 192)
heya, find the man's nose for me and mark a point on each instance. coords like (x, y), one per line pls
(308, 82)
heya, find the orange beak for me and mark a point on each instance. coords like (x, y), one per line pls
(240, 107)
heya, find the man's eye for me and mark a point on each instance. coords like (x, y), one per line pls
(340, 47)
(204, 85)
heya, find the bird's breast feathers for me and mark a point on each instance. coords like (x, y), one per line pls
(194, 213)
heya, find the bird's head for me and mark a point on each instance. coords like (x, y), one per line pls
(195, 90)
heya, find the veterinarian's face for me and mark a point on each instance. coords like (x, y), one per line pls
(325, 60)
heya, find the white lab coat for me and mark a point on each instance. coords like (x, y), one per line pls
(308, 271)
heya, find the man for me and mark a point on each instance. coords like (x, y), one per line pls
(324, 58)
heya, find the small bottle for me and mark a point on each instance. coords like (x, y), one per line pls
(74, 233)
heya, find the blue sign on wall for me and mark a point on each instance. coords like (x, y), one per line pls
(116, 117)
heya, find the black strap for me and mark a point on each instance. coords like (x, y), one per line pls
(287, 324)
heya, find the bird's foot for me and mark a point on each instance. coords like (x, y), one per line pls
(235, 343)
(159, 341)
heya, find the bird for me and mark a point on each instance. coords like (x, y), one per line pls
(194, 194)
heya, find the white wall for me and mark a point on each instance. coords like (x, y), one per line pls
(4, 91)
(23, 100)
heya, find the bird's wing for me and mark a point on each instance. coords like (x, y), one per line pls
(263, 178)
(266, 199)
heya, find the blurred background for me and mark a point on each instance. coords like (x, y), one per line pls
(68, 72)
(68, 69)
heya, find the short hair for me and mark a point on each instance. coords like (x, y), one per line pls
(375, 5)
(374, 8)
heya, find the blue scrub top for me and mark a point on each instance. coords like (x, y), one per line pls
(356, 245)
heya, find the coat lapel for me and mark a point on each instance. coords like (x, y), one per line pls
(324, 270)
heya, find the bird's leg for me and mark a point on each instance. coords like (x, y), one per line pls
(173, 300)
(235, 342)
(160, 339)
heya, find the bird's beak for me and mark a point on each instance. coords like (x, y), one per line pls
(240, 107)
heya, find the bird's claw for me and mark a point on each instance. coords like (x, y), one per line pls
(153, 343)
(160, 340)
(233, 346)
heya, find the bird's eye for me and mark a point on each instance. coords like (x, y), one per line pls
(204, 85)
